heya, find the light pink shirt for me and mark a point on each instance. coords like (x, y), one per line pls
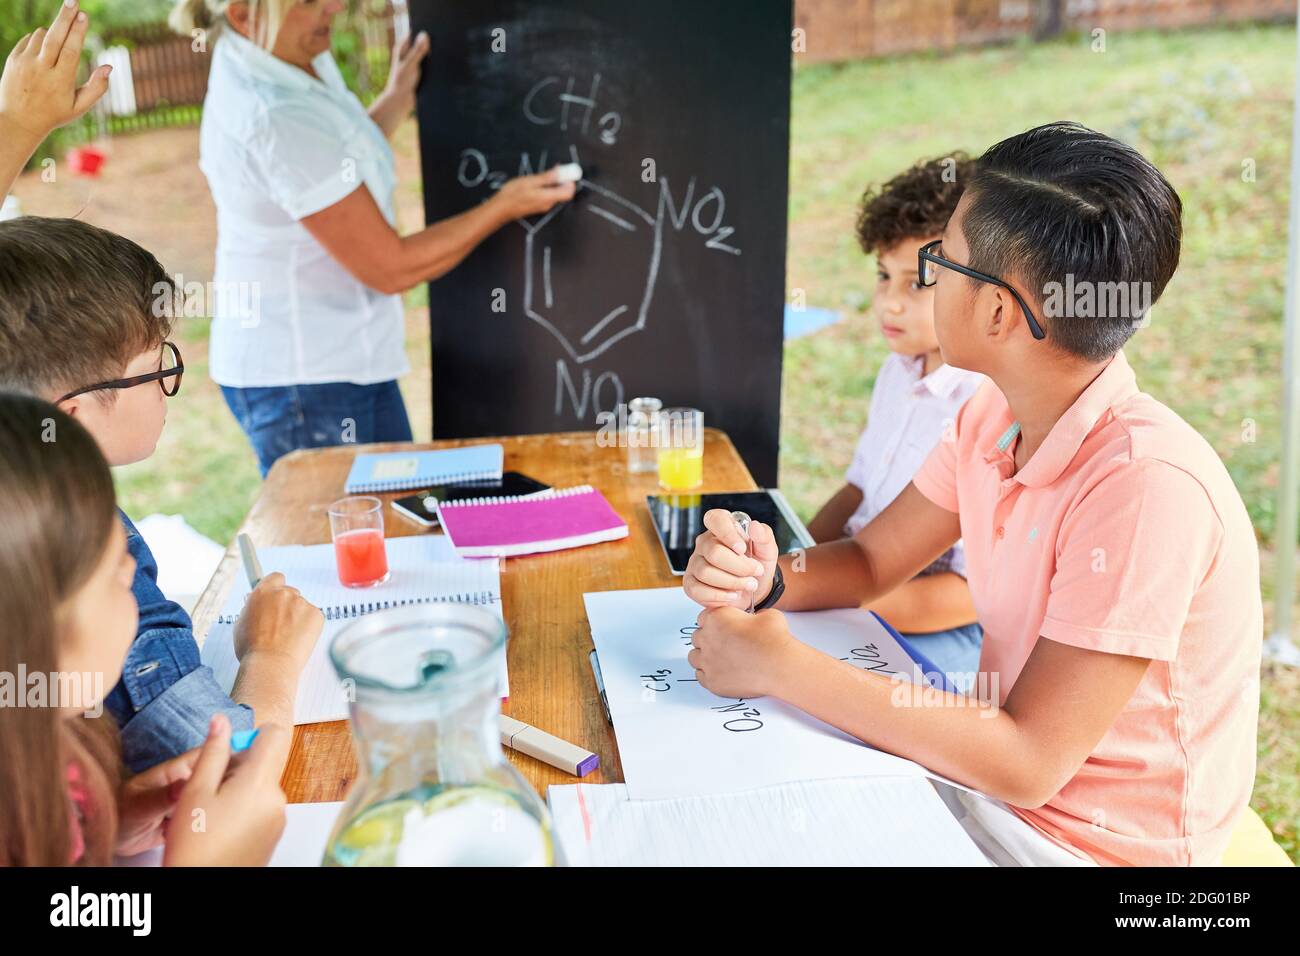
(1123, 533)
(909, 412)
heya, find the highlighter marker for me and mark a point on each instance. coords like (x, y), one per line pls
(547, 748)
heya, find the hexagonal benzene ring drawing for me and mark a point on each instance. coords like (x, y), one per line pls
(587, 327)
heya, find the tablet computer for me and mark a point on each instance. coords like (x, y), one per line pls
(679, 520)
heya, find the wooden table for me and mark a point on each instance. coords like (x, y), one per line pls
(551, 685)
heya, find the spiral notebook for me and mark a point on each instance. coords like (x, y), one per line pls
(505, 526)
(404, 470)
(424, 569)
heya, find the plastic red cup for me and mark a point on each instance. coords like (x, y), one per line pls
(85, 160)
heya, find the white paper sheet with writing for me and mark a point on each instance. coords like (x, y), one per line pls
(879, 821)
(676, 739)
(420, 567)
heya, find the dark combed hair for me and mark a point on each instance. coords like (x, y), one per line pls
(915, 204)
(1064, 204)
(77, 304)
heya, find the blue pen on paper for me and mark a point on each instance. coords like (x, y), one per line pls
(241, 740)
(252, 567)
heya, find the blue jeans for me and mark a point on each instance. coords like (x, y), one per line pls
(284, 418)
(955, 652)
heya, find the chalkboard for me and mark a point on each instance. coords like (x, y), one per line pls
(666, 274)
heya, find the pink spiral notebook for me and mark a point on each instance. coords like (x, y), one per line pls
(501, 527)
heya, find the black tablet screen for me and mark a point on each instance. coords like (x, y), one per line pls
(679, 519)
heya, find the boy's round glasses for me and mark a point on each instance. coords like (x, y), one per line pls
(927, 273)
(168, 376)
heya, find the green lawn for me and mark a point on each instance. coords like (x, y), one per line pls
(1212, 108)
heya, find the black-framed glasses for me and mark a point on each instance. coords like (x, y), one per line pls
(927, 272)
(168, 376)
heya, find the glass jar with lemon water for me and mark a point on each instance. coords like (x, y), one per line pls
(434, 787)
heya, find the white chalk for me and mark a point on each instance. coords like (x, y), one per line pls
(568, 172)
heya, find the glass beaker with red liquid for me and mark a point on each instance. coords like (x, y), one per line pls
(357, 526)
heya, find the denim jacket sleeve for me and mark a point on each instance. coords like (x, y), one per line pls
(166, 696)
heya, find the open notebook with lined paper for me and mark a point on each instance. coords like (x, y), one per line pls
(423, 569)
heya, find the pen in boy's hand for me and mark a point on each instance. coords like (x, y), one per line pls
(241, 740)
(742, 522)
(252, 567)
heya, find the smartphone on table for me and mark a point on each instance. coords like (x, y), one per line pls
(417, 508)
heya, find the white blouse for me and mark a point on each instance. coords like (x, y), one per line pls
(909, 412)
(277, 145)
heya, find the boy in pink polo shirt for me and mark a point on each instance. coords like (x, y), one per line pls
(1110, 558)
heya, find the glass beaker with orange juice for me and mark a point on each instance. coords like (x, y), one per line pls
(681, 448)
(357, 527)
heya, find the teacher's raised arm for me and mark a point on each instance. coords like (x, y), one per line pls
(307, 338)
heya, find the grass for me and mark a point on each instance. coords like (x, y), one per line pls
(1211, 107)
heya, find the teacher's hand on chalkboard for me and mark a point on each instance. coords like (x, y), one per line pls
(397, 101)
(721, 573)
(532, 195)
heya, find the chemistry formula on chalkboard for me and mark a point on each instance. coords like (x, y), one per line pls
(586, 328)
(665, 274)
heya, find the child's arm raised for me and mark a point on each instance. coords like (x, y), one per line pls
(39, 92)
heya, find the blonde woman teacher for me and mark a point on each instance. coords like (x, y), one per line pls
(307, 332)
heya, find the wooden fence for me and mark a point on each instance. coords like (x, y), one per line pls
(853, 29)
(170, 72)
